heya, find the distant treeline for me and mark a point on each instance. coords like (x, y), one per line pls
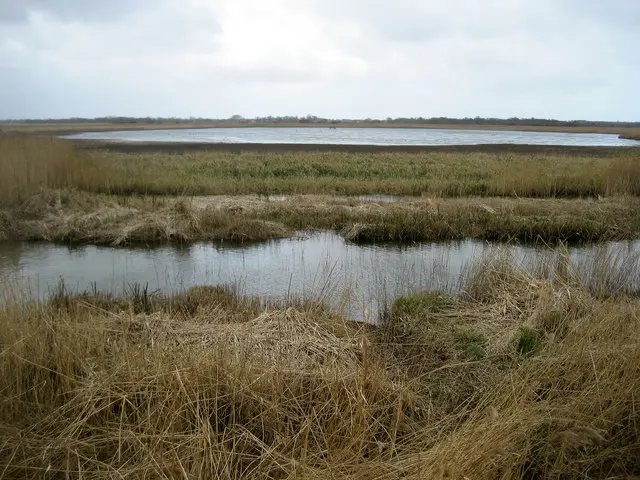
(311, 119)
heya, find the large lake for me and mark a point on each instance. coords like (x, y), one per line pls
(322, 265)
(358, 136)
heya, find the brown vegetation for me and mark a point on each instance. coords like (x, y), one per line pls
(30, 163)
(78, 217)
(631, 135)
(518, 377)
(352, 174)
(49, 191)
(413, 174)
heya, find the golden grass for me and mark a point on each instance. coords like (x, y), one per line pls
(28, 164)
(623, 176)
(210, 385)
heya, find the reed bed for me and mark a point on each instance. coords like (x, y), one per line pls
(520, 376)
(51, 191)
(411, 174)
(29, 163)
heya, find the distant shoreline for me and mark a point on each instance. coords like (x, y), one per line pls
(74, 128)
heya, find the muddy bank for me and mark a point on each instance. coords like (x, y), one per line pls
(188, 147)
(630, 136)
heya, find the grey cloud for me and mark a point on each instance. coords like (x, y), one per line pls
(11, 11)
(70, 10)
(424, 21)
(614, 13)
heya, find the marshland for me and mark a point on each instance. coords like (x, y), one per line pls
(519, 366)
(54, 191)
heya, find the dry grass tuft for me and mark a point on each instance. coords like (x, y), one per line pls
(73, 216)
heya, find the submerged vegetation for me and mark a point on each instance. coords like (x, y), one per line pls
(519, 376)
(50, 191)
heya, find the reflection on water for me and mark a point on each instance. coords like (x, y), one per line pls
(359, 136)
(318, 265)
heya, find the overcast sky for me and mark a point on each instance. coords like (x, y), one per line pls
(565, 59)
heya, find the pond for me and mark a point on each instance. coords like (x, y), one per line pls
(358, 279)
(358, 136)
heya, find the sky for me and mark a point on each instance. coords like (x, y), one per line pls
(563, 59)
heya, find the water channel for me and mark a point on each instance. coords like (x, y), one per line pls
(313, 265)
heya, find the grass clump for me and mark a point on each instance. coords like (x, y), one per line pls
(529, 341)
(474, 344)
(144, 393)
(623, 176)
(420, 304)
(79, 217)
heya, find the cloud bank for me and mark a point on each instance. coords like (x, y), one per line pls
(564, 59)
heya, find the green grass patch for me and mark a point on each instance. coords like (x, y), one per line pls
(529, 341)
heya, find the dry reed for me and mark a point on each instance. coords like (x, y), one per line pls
(78, 217)
(29, 164)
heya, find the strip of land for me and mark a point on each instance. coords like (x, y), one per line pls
(61, 128)
(80, 217)
(194, 147)
(53, 191)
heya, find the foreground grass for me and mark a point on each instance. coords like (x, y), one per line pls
(80, 217)
(518, 377)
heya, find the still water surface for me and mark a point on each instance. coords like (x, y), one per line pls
(316, 265)
(359, 136)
